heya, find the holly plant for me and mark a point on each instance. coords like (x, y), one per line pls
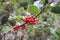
(21, 20)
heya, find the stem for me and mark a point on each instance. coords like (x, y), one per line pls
(40, 12)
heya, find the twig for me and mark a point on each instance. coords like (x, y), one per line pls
(40, 12)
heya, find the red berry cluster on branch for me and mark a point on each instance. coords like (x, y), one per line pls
(30, 20)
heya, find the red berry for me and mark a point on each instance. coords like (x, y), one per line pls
(23, 27)
(29, 20)
(33, 16)
(34, 22)
(30, 23)
(15, 28)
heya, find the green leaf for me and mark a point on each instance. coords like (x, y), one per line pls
(20, 11)
(58, 4)
(42, 1)
(58, 32)
(48, 8)
(58, 15)
(24, 3)
(33, 9)
(17, 18)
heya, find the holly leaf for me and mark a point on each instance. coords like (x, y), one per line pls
(20, 11)
(33, 9)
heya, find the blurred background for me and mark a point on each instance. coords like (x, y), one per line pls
(12, 13)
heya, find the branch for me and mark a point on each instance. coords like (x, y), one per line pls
(43, 8)
(40, 12)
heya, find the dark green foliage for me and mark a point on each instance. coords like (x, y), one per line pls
(25, 7)
(24, 4)
(46, 1)
(2, 1)
(55, 9)
(12, 22)
(0, 37)
(45, 18)
(34, 0)
(4, 18)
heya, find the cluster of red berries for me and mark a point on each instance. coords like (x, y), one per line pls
(15, 28)
(24, 27)
(30, 20)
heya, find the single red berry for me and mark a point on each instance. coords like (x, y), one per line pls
(29, 20)
(23, 27)
(32, 16)
(34, 22)
(15, 28)
(31, 23)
